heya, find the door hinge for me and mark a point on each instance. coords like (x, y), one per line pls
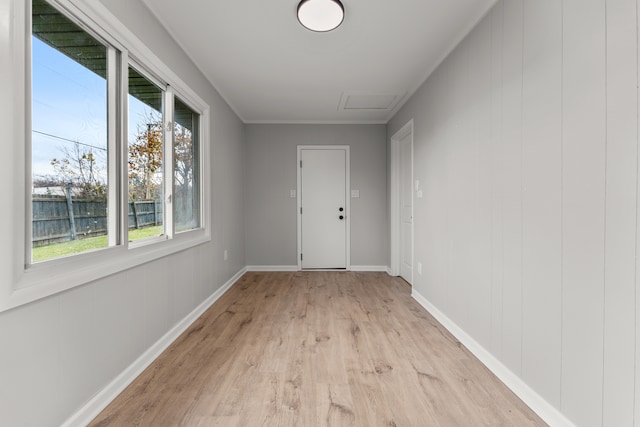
(301, 210)
(300, 257)
(300, 163)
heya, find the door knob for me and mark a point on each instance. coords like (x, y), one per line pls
(341, 217)
(341, 209)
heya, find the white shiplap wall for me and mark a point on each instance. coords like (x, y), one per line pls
(621, 210)
(526, 145)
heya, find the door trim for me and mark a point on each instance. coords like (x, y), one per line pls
(394, 202)
(347, 192)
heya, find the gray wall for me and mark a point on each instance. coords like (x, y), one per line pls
(270, 214)
(526, 142)
(58, 352)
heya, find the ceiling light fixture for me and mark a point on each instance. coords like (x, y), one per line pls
(320, 15)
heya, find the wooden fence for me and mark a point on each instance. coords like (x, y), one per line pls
(60, 219)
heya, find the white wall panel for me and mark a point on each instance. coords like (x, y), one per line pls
(435, 182)
(78, 372)
(182, 289)
(29, 364)
(621, 183)
(448, 135)
(111, 353)
(157, 302)
(497, 180)
(637, 278)
(430, 205)
(541, 198)
(479, 238)
(511, 160)
(583, 184)
(120, 321)
(460, 178)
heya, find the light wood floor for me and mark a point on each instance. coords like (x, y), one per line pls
(316, 349)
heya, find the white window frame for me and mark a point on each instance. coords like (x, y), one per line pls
(167, 166)
(21, 282)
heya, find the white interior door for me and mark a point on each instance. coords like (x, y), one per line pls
(323, 197)
(406, 209)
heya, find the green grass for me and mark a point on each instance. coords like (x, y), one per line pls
(143, 233)
(58, 250)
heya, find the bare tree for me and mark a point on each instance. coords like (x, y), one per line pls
(185, 188)
(183, 156)
(80, 166)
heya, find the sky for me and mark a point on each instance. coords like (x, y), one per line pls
(69, 104)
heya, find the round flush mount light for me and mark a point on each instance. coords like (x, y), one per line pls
(320, 15)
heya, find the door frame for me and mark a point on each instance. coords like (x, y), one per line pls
(394, 201)
(347, 193)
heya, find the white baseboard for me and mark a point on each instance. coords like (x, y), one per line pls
(368, 268)
(295, 268)
(544, 409)
(272, 268)
(100, 401)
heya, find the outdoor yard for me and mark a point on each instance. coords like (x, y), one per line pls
(57, 250)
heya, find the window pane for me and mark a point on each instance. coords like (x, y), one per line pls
(145, 152)
(186, 168)
(68, 137)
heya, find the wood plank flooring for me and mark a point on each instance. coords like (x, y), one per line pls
(317, 349)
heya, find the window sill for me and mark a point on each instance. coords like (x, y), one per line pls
(51, 277)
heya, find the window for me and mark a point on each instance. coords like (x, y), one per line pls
(114, 146)
(145, 158)
(70, 125)
(186, 168)
(68, 137)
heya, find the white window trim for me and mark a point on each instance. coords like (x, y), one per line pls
(21, 284)
(167, 167)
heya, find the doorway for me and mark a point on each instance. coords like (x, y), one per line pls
(401, 208)
(323, 207)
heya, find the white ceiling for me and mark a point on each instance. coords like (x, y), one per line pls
(270, 69)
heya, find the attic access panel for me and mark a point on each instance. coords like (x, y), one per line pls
(383, 101)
